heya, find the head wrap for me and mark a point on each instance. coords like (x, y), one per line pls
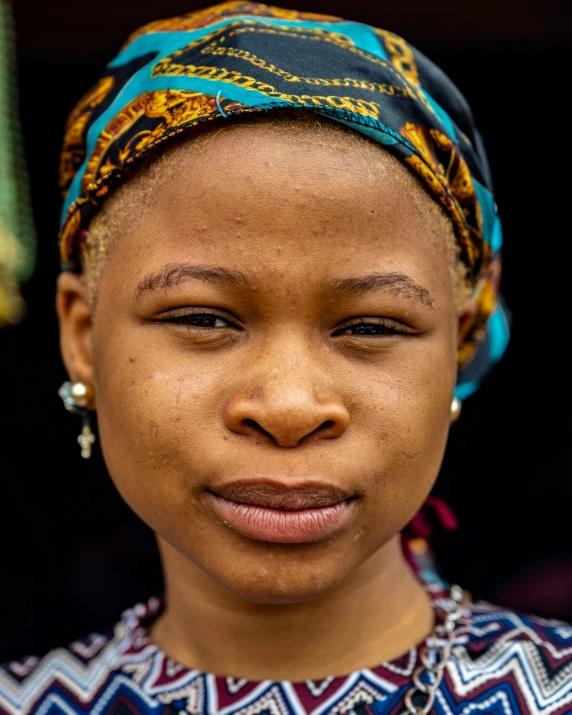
(241, 57)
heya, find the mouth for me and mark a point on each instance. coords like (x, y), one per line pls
(282, 513)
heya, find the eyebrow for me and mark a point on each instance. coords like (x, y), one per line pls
(396, 283)
(174, 274)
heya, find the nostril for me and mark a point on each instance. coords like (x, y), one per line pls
(288, 433)
(253, 424)
(328, 428)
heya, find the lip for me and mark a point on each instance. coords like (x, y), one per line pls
(282, 513)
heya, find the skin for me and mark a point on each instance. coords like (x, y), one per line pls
(282, 385)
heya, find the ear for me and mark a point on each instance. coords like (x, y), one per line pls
(75, 316)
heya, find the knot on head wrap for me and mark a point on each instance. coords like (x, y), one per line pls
(241, 57)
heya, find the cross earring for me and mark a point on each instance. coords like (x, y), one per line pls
(85, 439)
(76, 397)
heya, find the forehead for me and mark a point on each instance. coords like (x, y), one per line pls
(266, 197)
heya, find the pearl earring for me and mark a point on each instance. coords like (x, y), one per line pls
(456, 406)
(76, 397)
(79, 393)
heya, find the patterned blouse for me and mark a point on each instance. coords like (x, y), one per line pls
(503, 663)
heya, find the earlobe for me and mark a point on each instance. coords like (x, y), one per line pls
(74, 311)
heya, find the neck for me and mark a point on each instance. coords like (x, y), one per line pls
(376, 615)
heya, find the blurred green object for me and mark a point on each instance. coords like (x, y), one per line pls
(17, 235)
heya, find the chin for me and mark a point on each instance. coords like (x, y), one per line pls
(287, 586)
(279, 574)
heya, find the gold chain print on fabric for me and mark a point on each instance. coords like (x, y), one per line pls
(215, 46)
(172, 108)
(401, 55)
(452, 183)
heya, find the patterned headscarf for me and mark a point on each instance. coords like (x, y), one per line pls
(241, 57)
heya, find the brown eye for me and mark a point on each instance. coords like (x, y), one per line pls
(373, 328)
(200, 320)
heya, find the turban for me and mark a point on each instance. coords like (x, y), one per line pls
(242, 57)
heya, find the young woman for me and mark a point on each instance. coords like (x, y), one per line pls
(280, 267)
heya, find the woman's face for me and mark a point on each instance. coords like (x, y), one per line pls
(273, 356)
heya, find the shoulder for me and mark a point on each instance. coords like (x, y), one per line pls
(518, 662)
(490, 624)
(75, 679)
(31, 682)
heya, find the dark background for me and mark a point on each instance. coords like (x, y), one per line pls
(73, 556)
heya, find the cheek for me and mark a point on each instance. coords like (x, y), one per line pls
(406, 426)
(155, 425)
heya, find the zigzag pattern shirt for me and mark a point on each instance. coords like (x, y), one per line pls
(503, 663)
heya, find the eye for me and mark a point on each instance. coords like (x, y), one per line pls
(374, 327)
(204, 320)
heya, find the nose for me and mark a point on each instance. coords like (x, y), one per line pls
(287, 407)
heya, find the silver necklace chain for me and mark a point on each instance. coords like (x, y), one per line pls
(435, 655)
